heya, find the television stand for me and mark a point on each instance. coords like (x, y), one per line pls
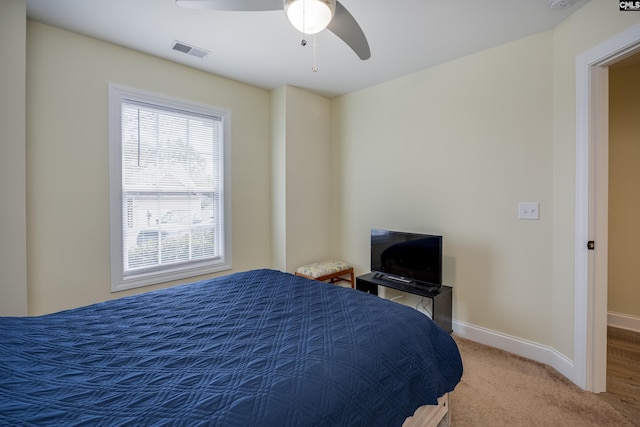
(440, 296)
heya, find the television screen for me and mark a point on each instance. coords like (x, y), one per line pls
(411, 256)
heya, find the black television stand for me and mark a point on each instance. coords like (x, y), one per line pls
(439, 296)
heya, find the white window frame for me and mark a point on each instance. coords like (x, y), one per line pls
(120, 281)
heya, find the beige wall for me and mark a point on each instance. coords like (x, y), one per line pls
(301, 177)
(591, 25)
(452, 150)
(67, 160)
(308, 172)
(624, 197)
(13, 244)
(449, 150)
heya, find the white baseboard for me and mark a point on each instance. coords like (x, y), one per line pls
(529, 349)
(623, 321)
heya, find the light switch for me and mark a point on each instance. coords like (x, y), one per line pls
(529, 210)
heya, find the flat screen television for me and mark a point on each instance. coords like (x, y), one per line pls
(411, 258)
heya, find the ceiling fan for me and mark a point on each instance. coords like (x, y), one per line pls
(308, 16)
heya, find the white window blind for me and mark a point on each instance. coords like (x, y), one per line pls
(170, 181)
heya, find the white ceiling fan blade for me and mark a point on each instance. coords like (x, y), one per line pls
(346, 27)
(232, 5)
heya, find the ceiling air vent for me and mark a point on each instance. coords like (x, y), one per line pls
(189, 50)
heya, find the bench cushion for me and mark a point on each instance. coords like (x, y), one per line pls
(320, 269)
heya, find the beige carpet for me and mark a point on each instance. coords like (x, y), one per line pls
(502, 389)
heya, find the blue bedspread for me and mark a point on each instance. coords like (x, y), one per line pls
(258, 348)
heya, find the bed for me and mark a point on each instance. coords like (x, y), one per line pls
(255, 348)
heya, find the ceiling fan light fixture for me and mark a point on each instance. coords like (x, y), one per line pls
(310, 16)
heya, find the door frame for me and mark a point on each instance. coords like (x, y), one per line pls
(591, 206)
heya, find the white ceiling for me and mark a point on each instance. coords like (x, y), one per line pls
(264, 50)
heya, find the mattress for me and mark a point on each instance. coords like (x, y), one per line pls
(256, 348)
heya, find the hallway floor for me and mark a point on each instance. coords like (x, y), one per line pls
(623, 373)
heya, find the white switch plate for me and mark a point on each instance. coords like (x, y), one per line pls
(529, 210)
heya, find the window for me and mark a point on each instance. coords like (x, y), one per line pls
(169, 203)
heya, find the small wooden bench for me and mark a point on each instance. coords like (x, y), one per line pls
(332, 270)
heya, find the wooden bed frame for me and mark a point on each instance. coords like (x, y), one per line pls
(431, 415)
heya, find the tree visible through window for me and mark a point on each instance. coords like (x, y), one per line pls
(167, 167)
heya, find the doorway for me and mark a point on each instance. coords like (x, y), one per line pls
(590, 292)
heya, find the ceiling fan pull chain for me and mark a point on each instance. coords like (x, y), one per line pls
(304, 31)
(314, 68)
